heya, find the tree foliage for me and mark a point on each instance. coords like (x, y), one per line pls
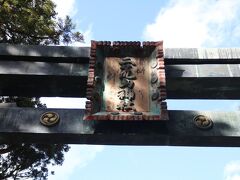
(32, 22)
(22, 161)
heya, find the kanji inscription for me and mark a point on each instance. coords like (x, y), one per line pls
(125, 79)
(126, 82)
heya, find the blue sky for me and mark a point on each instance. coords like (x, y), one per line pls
(180, 23)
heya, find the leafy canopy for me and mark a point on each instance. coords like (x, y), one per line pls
(32, 22)
(22, 161)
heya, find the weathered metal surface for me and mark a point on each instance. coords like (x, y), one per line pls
(181, 83)
(126, 77)
(61, 71)
(43, 68)
(203, 70)
(44, 51)
(84, 52)
(81, 69)
(41, 76)
(42, 85)
(22, 125)
(203, 88)
(202, 53)
(203, 81)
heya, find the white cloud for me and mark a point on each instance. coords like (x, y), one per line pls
(196, 23)
(60, 102)
(232, 171)
(78, 156)
(65, 7)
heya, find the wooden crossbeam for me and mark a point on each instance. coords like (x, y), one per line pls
(43, 86)
(57, 71)
(171, 54)
(62, 71)
(42, 53)
(201, 55)
(183, 82)
(23, 125)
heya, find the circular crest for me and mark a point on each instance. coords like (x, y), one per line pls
(203, 122)
(49, 118)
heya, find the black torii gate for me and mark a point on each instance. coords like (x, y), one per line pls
(62, 71)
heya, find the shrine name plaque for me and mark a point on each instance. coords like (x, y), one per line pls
(126, 81)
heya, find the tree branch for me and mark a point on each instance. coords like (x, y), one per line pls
(8, 149)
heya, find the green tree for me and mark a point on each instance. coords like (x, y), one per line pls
(32, 22)
(22, 161)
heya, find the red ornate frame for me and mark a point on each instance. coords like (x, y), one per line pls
(92, 114)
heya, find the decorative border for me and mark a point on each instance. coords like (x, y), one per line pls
(114, 49)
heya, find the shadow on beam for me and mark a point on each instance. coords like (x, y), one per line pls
(43, 85)
(23, 125)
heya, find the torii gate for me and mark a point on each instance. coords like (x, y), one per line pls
(47, 71)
